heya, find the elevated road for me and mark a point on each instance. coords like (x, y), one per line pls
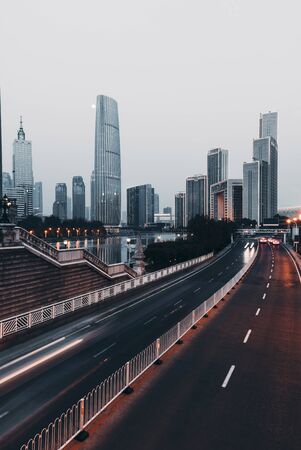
(41, 378)
(237, 386)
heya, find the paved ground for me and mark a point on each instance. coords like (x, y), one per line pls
(235, 386)
(41, 378)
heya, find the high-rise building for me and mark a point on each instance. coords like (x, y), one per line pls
(140, 206)
(255, 190)
(226, 200)
(78, 197)
(60, 203)
(92, 195)
(167, 210)
(196, 197)
(38, 199)
(268, 124)
(7, 181)
(217, 168)
(87, 213)
(18, 197)
(22, 168)
(266, 149)
(107, 162)
(180, 210)
(156, 203)
(69, 208)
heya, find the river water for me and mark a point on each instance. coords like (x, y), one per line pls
(115, 249)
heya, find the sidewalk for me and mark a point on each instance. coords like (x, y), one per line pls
(296, 255)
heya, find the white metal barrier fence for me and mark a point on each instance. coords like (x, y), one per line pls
(60, 432)
(40, 315)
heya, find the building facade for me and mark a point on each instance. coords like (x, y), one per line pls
(156, 203)
(18, 196)
(92, 196)
(107, 162)
(38, 199)
(226, 200)
(78, 198)
(7, 181)
(268, 125)
(140, 206)
(266, 149)
(255, 190)
(60, 203)
(217, 168)
(22, 168)
(180, 210)
(196, 197)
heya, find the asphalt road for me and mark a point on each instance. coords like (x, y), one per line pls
(236, 386)
(41, 378)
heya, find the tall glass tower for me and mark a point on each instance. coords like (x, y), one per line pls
(22, 168)
(217, 168)
(107, 162)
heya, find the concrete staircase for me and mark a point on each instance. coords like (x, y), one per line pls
(28, 281)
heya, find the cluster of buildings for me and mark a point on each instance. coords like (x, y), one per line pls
(212, 194)
(215, 195)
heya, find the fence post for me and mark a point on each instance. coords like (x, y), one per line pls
(158, 348)
(1, 330)
(178, 331)
(193, 317)
(82, 414)
(29, 320)
(127, 374)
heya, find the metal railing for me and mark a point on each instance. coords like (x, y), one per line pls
(65, 257)
(43, 314)
(60, 432)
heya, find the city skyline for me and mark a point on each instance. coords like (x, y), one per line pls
(209, 109)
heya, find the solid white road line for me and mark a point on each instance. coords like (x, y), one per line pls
(247, 336)
(197, 290)
(39, 361)
(180, 301)
(257, 312)
(296, 267)
(14, 361)
(268, 285)
(264, 296)
(4, 414)
(104, 350)
(81, 329)
(167, 286)
(226, 380)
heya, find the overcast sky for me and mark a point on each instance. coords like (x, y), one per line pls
(187, 75)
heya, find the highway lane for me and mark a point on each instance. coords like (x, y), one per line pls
(236, 386)
(36, 396)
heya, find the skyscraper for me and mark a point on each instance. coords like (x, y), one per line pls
(38, 199)
(156, 203)
(7, 181)
(22, 168)
(268, 124)
(196, 197)
(78, 197)
(107, 162)
(92, 196)
(217, 168)
(255, 190)
(140, 205)
(60, 203)
(226, 200)
(180, 210)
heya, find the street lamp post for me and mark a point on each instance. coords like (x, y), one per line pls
(128, 241)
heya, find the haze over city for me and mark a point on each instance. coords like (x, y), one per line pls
(187, 77)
